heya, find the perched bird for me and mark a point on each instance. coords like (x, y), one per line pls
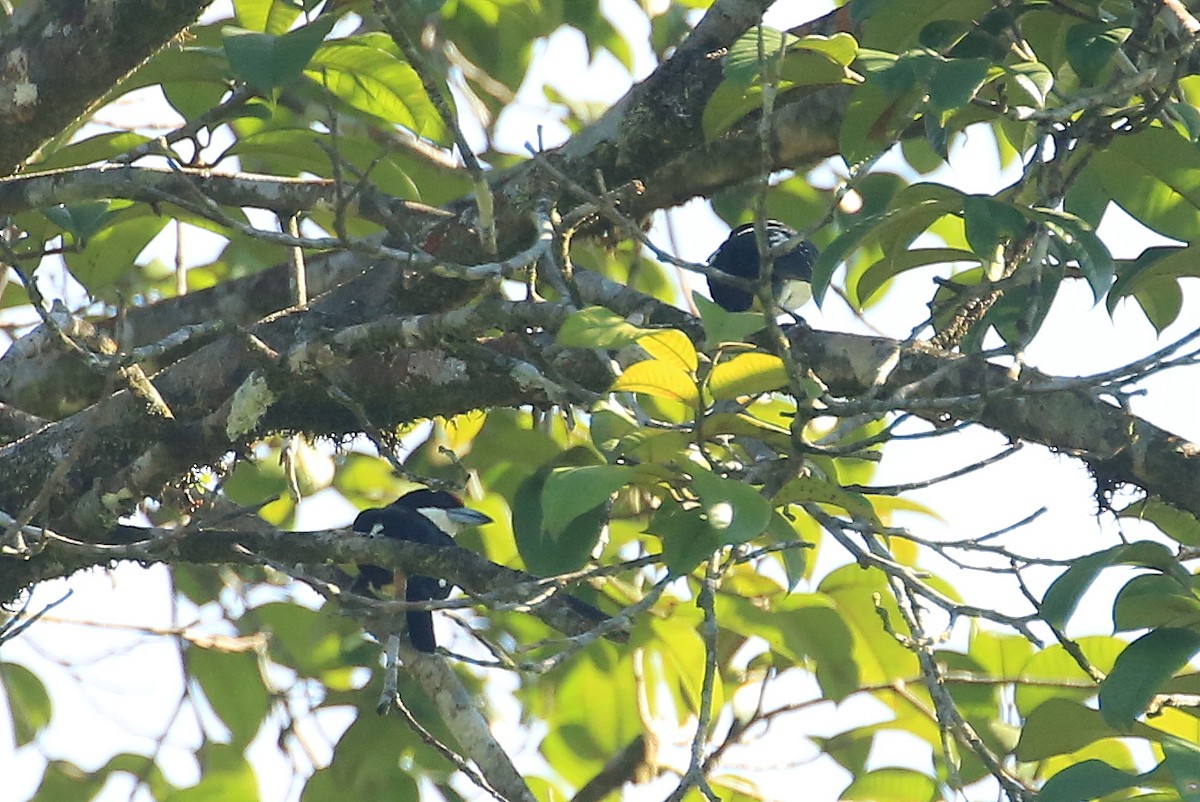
(738, 256)
(430, 517)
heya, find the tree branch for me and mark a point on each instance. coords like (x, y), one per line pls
(60, 57)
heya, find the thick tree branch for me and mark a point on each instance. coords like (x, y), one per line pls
(59, 57)
(466, 569)
(1063, 414)
(396, 376)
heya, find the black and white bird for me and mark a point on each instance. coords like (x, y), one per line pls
(738, 256)
(429, 517)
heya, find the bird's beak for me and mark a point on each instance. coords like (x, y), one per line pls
(464, 516)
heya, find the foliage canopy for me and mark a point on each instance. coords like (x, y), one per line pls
(393, 302)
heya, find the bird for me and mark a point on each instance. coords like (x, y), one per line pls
(429, 517)
(738, 256)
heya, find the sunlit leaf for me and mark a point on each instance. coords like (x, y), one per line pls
(671, 347)
(598, 327)
(28, 703)
(659, 379)
(746, 374)
(892, 785)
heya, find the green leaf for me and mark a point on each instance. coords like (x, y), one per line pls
(750, 373)
(1141, 670)
(1155, 176)
(860, 595)
(268, 61)
(1154, 600)
(954, 82)
(90, 150)
(1179, 525)
(548, 553)
(658, 379)
(990, 223)
(110, 253)
(1058, 727)
(804, 489)
(795, 560)
(1064, 593)
(812, 60)
(898, 26)
(893, 264)
(227, 775)
(598, 327)
(1091, 779)
(688, 536)
(310, 641)
(814, 627)
(671, 347)
(368, 74)
(683, 658)
(268, 16)
(1183, 760)
(83, 220)
(1091, 47)
(28, 703)
(1161, 301)
(1029, 83)
(911, 212)
(741, 64)
(570, 492)
(1053, 674)
(1087, 249)
(892, 785)
(721, 326)
(736, 510)
(1152, 279)
(233, 686)
(254, 481)
(1001, 656)
(841, 48)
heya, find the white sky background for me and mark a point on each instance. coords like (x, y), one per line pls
(121, 711)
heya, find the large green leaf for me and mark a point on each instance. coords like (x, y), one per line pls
(267, 60)
(368, 74)
(659, 379)
(28, 703)
(109, 255)
(1155, 600)
(233, 686)
(598, 327)
(571, 491)
(1091, 779)
(892, 785)
(227, 775)
(1064, 593)
(1141, 670)
(737, 510)
(1183, 759)
(1177, 524)
(751, 373)
(567, 547)
(1155, 176)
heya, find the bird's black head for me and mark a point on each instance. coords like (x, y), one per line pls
(443, 509)
(738, 256)
(420, 499)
